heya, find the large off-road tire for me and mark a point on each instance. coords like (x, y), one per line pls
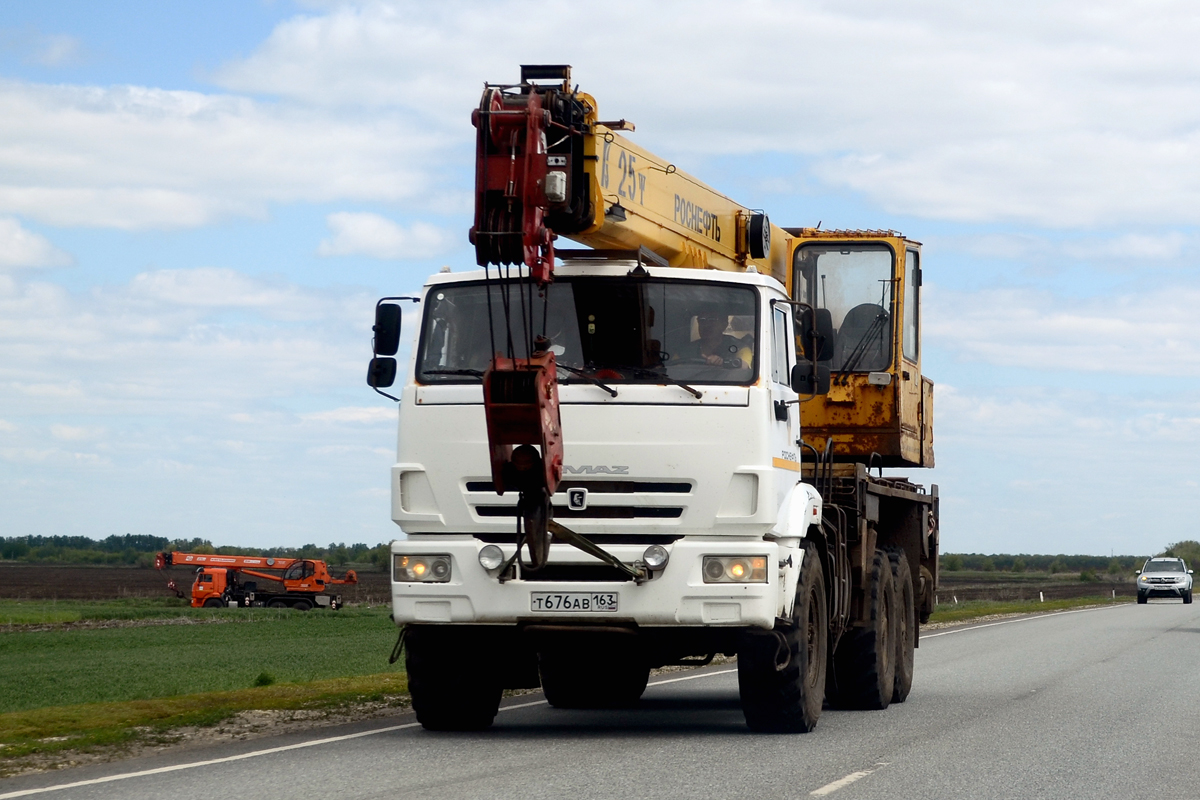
(1141, 598)
(789, 700)
(865, 661)
(579, 675)
(451, 685)
(906, 624)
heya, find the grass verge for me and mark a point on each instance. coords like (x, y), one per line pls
(91, 725)
(51, 665)
(974, 609)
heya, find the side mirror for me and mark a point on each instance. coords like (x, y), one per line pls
(387, 331)
(806, 380)
(382, 372)
(822, 342)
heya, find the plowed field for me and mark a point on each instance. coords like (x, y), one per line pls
(48, 582)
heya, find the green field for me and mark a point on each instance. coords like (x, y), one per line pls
(217, 650)
(974, 609)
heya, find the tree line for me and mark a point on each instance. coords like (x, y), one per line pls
(1188, 550)
(139, 549)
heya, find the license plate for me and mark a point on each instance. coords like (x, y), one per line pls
(573, 601)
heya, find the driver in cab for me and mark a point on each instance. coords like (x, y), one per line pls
(716, 346)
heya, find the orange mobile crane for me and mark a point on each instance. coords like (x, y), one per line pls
(219, 581)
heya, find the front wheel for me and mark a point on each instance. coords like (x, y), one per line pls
(1141, 598)
(781, 678)
(453, 687)
(1187, 598)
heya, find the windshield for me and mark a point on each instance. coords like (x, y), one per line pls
(1163, 566)
(611, 329)
(855, 284)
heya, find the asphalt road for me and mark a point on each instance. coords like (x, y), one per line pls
(1092, 704)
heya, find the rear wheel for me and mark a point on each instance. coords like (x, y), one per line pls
(865, 661)
(451, 688)
(302, 605)
(906, 625)
(789, 700)
(276, 604)
(576, 676)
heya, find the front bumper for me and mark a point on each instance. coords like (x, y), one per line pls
(1163, 590)
(678, 595)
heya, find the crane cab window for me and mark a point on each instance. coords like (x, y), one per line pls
(299, 571)
(855, 283)
(206, 578)
(912, 305)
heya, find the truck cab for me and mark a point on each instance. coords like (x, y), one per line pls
(680, 426)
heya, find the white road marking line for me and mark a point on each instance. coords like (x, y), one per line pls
(272, 750)
(1006, 622)
(830, 788)
(691, 677)
(210, 762)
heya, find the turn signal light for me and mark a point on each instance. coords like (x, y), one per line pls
(421, 569)
(735, 569)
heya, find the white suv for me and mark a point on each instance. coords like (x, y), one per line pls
(1165, 577)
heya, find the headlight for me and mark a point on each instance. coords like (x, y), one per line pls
(422, 569)
(735, 569)
(491, 557)
(656, 556)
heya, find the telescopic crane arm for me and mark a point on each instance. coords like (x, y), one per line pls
(547, 166)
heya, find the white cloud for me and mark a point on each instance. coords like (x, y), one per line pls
(133, 157)
(369, 414)
(1146, 333)
(73, 433)
(6, 426)
(23, 248)
(1059, 115)
(371, 235)
(56, 50)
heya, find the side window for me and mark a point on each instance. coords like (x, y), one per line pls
(912, 304)
(781, 343)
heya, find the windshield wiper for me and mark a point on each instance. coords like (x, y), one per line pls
(474, 373)
(643, 372)
(589, 378)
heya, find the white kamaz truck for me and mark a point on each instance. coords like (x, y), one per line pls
(676, 505)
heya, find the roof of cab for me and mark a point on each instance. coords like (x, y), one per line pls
(615, 269)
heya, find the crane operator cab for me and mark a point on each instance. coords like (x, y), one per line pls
(879, 409)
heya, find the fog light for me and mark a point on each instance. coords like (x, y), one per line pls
(491, 557)
(656, 556)
(714, 570)
(735, 569)
(422, 569)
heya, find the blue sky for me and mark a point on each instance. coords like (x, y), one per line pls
(200, 203)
